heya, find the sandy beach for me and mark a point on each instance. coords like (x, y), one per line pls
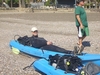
(56, 27)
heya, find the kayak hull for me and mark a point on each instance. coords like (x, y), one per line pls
(31, 50)
(44, 68)
(45, 53)
(42, 65)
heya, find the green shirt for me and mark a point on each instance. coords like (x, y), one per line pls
(81, 12)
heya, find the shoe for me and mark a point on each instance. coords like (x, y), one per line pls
(75, 51)
(80, 49)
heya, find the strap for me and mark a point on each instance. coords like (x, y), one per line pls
(28, 66)
(58, 63)
(42, 50)
(32, 64)
(15, 37)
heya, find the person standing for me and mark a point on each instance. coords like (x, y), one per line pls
(81, 23)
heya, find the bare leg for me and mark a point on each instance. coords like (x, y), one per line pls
(81, 47)
(83, 38)
(80, 41)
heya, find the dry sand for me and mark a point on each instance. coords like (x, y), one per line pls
(56, 27)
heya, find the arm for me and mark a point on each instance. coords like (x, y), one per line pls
(79, 20)
(49, 43)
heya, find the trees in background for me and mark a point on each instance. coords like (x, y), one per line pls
(92, 4)
(14, 3)
(24, 3)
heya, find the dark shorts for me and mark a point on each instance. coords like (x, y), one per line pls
(83, 32)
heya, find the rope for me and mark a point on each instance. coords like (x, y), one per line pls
(15, 37)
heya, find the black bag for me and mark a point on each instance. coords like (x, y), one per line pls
(67, 63)
(90, 69)
(25, 40)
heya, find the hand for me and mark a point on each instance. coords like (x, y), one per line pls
(81, 26)
(49, 43)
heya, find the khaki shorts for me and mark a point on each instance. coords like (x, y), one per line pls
(83, 32)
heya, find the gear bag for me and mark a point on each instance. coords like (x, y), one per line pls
(25, 40)
(67, 63)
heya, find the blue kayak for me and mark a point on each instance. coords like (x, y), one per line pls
(17, 47)
(42, 66)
